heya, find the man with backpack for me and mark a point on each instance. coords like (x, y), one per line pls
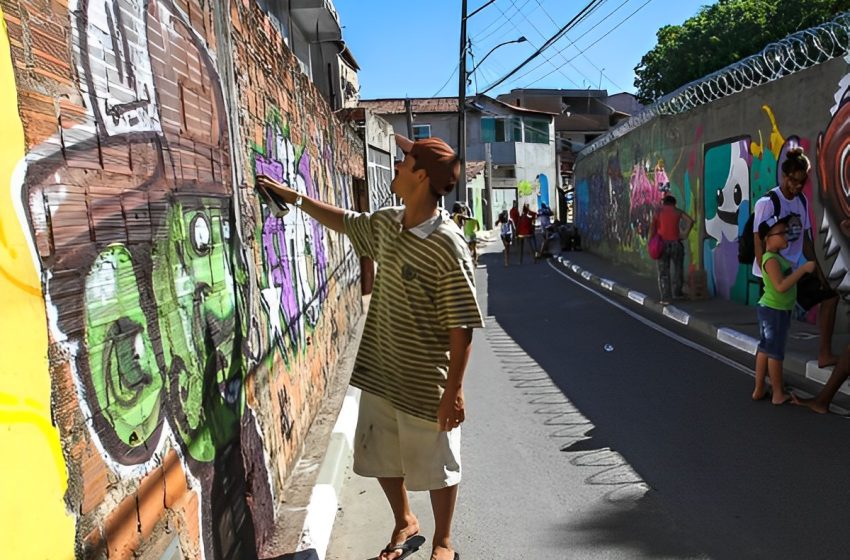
(788, 200)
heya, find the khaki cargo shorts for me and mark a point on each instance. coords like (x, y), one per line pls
(389, 443)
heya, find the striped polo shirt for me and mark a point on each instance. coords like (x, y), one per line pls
(424, 287)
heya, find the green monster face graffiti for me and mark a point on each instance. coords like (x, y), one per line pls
(125, 375)
(191, 370)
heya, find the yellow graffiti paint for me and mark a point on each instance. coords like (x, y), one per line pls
(776, 139)
(33, 519)
(757, 148)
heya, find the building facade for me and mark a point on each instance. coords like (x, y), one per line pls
(510, 150)
(581, 116)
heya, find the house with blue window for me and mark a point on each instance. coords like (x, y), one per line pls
(510, 150)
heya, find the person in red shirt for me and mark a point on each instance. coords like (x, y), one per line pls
(525, 230)
(514, 213)
(672, 225)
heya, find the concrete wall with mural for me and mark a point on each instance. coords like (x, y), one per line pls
(717, 160)
(165, 341)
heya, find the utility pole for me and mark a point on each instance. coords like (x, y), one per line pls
(488, 185)
(461, 104)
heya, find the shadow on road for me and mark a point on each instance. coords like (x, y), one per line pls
(725, 476)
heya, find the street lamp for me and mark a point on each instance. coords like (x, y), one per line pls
(471, 72)
(463, 76)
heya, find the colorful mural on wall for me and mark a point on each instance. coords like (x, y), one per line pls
(727, 206)
(726, 173)
(157, 405)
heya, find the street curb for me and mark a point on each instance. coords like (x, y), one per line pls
(324, 499)
(795, 364)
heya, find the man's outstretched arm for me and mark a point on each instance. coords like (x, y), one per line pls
(328, 215)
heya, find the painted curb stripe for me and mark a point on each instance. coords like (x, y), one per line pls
(738, 340)
(676, 314)
(607, 284)
(324, 499)
(637, 296)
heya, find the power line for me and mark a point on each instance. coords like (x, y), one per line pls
(530, 42)
(627, 18)
(572, 43)
(504, 23)
(548, 59)
(574, 21)
(457, 67)
(561, 50)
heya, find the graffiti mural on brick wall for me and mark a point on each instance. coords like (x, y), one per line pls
(132, 221)
(158, 401)
(294, 248)
(34, 477)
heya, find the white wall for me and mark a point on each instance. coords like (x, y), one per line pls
(536, 159)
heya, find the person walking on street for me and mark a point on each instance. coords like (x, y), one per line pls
(774, 307)
(507, 232)
(672, 225)
(815, 289)
(525, 230)
(470, 232)
(416, 341)
(514, 213)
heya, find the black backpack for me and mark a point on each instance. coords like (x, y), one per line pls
(746, 243)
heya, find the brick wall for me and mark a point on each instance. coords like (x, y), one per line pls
(183, 337)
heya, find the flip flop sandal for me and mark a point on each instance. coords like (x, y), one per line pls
(407, 548)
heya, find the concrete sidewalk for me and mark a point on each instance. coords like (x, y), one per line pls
(730, 323)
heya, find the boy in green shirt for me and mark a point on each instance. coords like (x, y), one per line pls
(774, 307)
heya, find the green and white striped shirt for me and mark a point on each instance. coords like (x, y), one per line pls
(424, 286)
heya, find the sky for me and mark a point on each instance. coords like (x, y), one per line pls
(410, 48)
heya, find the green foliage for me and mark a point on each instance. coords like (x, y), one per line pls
(721, 34)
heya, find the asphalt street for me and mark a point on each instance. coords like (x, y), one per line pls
(593, 434)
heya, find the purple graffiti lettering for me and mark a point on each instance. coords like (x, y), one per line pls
(277, 258)
(269, 168)
(317, 229)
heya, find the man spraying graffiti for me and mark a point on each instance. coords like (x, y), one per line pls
(416, 340)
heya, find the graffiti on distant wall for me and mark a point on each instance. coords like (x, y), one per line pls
(728, 175)
(542, 190)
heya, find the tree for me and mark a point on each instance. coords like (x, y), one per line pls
(721, 34)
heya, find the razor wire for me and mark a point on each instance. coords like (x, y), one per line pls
(794, 53)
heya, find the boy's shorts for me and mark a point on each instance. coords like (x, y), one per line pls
(773, 331)
(389, 443)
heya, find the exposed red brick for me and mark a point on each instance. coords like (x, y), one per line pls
(95, 480)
